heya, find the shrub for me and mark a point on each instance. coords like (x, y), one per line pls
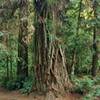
(27, 86)
(83, 85)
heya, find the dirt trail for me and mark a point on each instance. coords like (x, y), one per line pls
(15, 95)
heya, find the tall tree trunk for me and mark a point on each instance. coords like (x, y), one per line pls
(95, 55)
(74, 56)
(98, 46)
(22, 68)
(50, 69)
(95, 49)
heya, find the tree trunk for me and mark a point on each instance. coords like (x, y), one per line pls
(50, 69)
(95, 49)
(95, 55)
(22, 68)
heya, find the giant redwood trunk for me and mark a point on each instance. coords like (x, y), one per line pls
(22, 68)
(50, 69)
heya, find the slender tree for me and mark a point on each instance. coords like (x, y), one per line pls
(74, 57)
(95, 49)
(22, 67)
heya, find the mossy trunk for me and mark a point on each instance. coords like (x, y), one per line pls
(22, 67)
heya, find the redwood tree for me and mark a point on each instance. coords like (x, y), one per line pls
(50, 68)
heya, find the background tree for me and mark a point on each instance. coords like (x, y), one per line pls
(22, 67)
(95, 53)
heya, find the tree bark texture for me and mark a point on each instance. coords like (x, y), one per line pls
(50, 69)
(22, 68)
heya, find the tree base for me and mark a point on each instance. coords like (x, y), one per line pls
(53, 79)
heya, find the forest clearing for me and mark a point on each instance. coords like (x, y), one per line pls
(49, 49)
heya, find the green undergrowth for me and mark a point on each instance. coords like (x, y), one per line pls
(24, 87)
(87, 86)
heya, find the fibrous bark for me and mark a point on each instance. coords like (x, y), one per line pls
(50, 69)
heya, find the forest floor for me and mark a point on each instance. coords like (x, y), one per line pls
(16, 95)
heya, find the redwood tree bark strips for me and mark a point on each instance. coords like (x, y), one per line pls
(22, 68)
(50, 69)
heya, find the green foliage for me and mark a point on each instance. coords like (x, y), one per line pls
(87, 86)
(89, 97)
(1, 34)
(83, 84)
(27, 86)
(93, 94)
(24, 86)
(52, 2)
(11, 84)
(97, 79)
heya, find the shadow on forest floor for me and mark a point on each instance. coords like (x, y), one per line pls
(16, 95)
